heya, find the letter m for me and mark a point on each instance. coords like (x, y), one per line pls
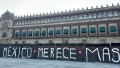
(87, 49)
(5, 52)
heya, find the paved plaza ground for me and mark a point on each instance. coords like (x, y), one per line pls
(38, 63)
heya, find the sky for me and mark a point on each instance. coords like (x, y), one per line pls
(27, 7)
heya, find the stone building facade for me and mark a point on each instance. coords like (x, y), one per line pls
(95, 25)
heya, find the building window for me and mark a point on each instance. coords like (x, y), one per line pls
(110, 14)
(76, 17)
(113, 29)
(65, 31)
(100, 15)
(42, 21)
(50, 32)
(60, 19)
(68, 18)
(64, 19)
(104, 15)
(90, 16)
(29, 22)
(72, 18)
(4, 34)
(30, 33)
(25, 22)
(36, 33)
(92, 30)
(48, 20)
(94, 16)
(24, 33)
(16, 34)
(43, 32)
(115, 13)
(56, 19)
(17, 23)
(102, 29)
(58, 31)
(74, 31)
(22, 22)
(34, 21)
(83, 30)
(37, 20)
(81, 17)
(51, 20)
(85, 17)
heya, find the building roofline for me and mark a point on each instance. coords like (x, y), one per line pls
(70, 12)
